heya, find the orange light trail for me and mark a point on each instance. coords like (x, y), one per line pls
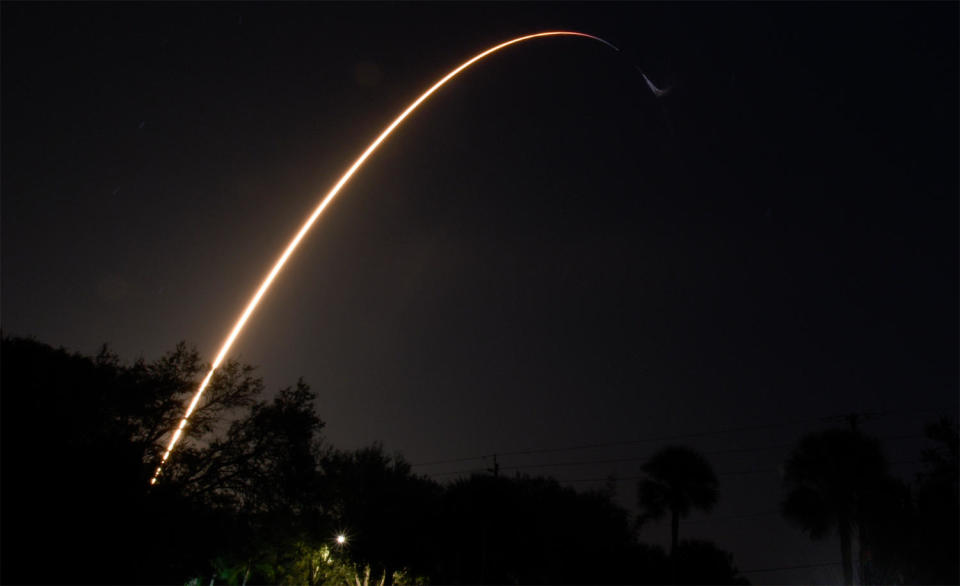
(292, 246)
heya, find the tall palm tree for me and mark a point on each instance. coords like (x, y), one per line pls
(678, 480)
(830, 478)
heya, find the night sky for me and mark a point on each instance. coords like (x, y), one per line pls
(544, 256)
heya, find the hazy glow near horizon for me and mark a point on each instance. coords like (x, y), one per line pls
(292, 246)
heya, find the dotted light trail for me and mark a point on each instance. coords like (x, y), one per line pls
(292, 246)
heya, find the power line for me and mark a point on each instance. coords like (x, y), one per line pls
(605, 461)
(645, 458)
(822, 565)
(640, 477)
(636, 458)
(872, 415)
(732, 517)
(737, 473)
(614, 460)
(616, 443)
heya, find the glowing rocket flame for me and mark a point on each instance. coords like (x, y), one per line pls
(252, 305)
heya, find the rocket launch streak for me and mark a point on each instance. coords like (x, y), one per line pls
(292, 246)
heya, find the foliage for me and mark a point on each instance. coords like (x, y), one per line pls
(829, 474)
(702, 562)
(837, 482)
(254, 495)
(82, 435)
(532, 530)
(677, 480)
(75, 447)
(831, 477)
(933, 525)
(388, 513)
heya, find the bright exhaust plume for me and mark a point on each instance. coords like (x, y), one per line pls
(292, 246)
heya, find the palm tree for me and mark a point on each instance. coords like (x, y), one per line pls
(678, 479)
(830, 477)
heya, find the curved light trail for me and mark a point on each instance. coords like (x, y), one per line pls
(292, 246)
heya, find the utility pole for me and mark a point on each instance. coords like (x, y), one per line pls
(496, 467)
(483, 526)
(856, 531)
(853, 419)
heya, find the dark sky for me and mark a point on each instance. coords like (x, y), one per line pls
(544, 256)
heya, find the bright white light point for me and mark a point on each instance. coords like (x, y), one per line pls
(341, 539)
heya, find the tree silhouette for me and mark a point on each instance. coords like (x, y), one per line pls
(702, 562)
(832, 478)
(388, 513)
(678, 480)
(80, 436)
(254, 495)
(937, 533)
(529, 530)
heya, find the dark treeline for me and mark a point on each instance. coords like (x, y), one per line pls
(255, 496)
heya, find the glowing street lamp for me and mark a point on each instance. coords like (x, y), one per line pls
(341, 539)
